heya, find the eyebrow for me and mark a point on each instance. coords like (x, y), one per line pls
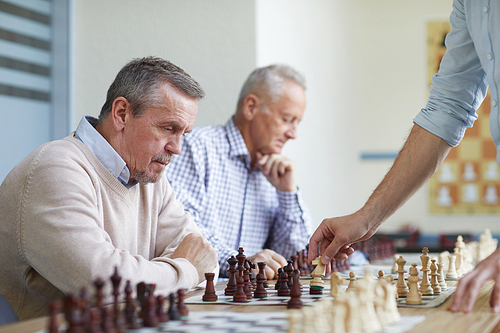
(175, 126)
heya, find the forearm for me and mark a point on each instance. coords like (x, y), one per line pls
(417, 161)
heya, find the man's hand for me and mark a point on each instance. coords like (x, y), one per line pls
(469, 285)
(198, 251)
(272, 259)
(334, 237)
(279, 170)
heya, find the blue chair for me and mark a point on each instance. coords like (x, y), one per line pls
(7, 315)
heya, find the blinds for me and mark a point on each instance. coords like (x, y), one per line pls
(25, 50)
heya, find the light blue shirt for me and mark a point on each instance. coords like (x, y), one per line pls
(232, 204)
(470, 64)
(104, 152)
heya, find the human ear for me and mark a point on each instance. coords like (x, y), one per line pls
(119, 113)
(251, 106)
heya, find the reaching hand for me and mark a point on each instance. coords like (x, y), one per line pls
(198, 251)
(335, 235)
(469, 285)
(279, 170)
(272, 259)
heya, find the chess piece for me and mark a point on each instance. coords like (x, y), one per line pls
(210, 295)
(295, 261)
(253, 277)
(118, 320)
(444, 199)
(284, 290)
(446, 175)
(352, 282)
(160, 309)
(491, 196)
(441, 278)
(54, 309)
(173, 312)
(295, 302)
(83, 305)
(262, 270)
(436, 288)
(381, 274)
(413, 296)
(231, 283)
(317, 285)
(107, 320)
(425, 286)
(394, 268)
(130, 308)
(366, 290)
(95, 321)
(401, 286)
(470, 193)
(239, 295)
(459, 262)
(260, 291)
(246, 278)
(452, 271)
(492, 171)
(469, 174)
(277, 284)
(181, 306)
(150, 319)
(99, 284)
(289, 271)
(335, 282)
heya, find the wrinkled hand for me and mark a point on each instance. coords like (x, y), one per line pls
(335, 235)
(198, 251)
(272, 259)
(279, 170)
(469, 285)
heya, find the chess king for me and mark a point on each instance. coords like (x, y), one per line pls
(75, 208)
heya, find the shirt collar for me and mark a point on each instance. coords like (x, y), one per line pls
(101, 148)
(236, 142)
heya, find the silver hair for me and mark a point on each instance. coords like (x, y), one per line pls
(139, 82)
(268, 83)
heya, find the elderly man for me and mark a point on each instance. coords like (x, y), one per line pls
(233, 179)
(75, 208)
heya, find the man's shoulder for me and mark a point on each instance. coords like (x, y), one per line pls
(206, 138)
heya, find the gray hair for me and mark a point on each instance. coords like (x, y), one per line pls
(139, 82)
(268, 83)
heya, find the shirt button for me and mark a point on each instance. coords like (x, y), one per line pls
(494, 103)
(485, 9)
(490, 56)
(124, 172)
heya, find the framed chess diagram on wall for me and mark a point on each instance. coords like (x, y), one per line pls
(468, 181)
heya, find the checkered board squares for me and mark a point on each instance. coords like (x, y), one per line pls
(428, 301)
(468, 181)
(221, 322)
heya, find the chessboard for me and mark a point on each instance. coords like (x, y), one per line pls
(431, 301)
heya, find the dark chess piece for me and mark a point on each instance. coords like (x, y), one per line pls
(295, 261)
(72, 314)
(95, 321)
(130, 308)
(295, 302)
(83, 305)
(278, 281)
(231, 284)
(239, 295)
(253, 278)
(160, 309)
(173, 312)
(99, 284)
(118, 319)
(289, 271)
(107, 320)
(246, 279)
(210, 295)
(54, 310)
(284, 290)
(260, 290)
(262, 270)
(181, 306)
(150, 319)
(141, 297)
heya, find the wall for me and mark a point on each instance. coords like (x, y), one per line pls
(214, 41)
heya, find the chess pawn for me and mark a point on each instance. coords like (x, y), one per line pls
(246, 277)
(260, 290)
(160, 309)
(381, 274)
(284, 290)
(239, 295)
(181, 306)
(231, 283)
(277, 284)
(352, 282)
(130, 308)
(413, 296)
(401, 286)
(150, 319)
(173, 312)
(54, 309)
(394, 268)
(262, 270)
(441, 278)
(335, 282)
(452, 271)
(295, 302)
(425, 286)
(434, 278)
(459, 262)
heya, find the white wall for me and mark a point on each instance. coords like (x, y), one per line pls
(364, 60)
(214, 41)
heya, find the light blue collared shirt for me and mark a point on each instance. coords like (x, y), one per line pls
(470, 64)
(104, 152)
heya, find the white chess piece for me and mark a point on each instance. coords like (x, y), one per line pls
(469, 174)
(414, 296)
(445, 174)
(491, 196)
(444, 199)
(492, 171)
(470, 193)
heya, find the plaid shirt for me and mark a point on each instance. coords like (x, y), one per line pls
(233, 205)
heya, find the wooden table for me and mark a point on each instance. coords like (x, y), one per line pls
(480, 320)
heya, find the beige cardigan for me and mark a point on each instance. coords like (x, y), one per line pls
(65, 220)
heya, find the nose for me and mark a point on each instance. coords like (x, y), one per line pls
(291, 133)
(174, 145)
